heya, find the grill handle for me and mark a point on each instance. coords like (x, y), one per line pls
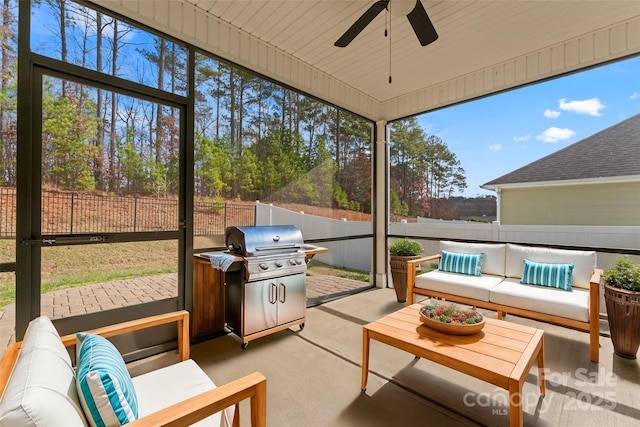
(235, 249)
(283, 293)
(277, 247)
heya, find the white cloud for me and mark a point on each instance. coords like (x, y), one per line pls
(635, 95)
(551, 114)
(591, 106)
(521, 138)
(495, 147)
(554, 134)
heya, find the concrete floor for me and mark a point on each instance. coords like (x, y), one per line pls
(313, 377)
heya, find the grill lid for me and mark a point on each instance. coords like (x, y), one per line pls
(263, 240)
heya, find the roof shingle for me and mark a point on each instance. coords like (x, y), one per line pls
(612, 152)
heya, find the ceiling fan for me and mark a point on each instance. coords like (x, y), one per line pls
(412, 9)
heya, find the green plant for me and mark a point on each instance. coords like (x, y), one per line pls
(405, 247)
(625, 274)
(451, 314)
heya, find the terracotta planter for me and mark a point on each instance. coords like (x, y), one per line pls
(452, 329)
(399, 274)
(623, 312)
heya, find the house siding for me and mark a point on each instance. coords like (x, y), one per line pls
(596, 204)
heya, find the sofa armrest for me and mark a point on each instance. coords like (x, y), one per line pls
(423, 259)
(189, 411)
(594, 296)
(595, 278)
(594, 315)
(180, 317)
(411, 274)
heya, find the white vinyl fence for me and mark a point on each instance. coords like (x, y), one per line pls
(608, 238)
(356, 254)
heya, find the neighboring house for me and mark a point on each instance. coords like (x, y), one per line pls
(595, 181)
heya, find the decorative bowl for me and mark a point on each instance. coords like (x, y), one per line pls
(452, 328)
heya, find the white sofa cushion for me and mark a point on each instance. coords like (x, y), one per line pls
(41, 391)
(584, 261)
(172, 384)
(494, 254)
(555, 302)
(476, 287)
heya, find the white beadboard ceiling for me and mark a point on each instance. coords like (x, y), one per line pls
(483, 47)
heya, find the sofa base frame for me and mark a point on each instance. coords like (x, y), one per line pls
(592, 327)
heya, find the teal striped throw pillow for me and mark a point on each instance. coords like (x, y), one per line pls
(453, 262)
(545, 274)
(104, 385)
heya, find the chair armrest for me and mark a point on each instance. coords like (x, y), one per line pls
(189, 411)
(180, 317)
(7, 364)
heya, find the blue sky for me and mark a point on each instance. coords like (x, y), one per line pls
(501, 133)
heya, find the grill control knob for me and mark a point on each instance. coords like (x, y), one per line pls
(278, 264)
(263, 266)
(292, 262)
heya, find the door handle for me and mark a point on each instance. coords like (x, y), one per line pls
(283, 293)
(273, 293)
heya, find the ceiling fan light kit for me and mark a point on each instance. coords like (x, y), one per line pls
(400, 8)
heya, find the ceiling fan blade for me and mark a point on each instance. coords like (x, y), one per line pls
(422, 25)
(361, 23)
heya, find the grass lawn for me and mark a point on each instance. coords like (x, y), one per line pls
(70, 266)
(319, 268)
(79, 265)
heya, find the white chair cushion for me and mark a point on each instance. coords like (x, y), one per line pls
(556, 302)
(476, 287)
(41, 391)
(494, 254)
(584, 261)
(167, 386)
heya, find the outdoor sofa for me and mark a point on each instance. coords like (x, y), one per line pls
(559, 286)
(40, 387)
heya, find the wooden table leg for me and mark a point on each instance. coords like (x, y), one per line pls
(541, 379)
(515, 403)
(365, 358)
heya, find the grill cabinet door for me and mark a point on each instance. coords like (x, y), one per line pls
(260, 305)
(291, 298)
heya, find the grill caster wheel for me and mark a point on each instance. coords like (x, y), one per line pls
(301, 326)
(244, 345)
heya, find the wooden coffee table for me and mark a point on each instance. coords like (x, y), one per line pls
(501, 354)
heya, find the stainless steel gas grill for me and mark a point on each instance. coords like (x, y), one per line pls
(269, 293)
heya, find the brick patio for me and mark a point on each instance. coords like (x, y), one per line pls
(118, 293)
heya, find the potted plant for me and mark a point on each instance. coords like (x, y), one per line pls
(622, 298)
(400, 252)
